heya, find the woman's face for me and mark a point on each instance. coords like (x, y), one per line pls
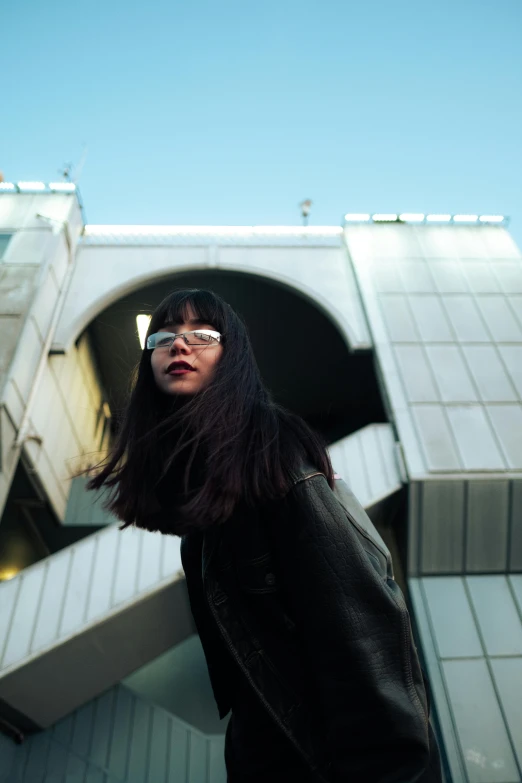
(181, 368)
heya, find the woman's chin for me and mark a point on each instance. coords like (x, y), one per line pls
(179, 386)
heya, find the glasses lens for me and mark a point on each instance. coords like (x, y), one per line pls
(165, 339)
(160, 340)
(200, 338)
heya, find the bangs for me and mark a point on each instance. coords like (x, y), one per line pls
(176, 307)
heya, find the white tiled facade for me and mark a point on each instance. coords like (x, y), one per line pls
(445, 307)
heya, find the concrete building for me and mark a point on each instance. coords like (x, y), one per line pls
(418, 320)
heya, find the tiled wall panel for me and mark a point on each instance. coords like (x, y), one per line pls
(471, 636)
(459, 527)
(515, 537)
(484, 739)
(442, 528)
(117, 738)
(449, 278)
(367, 461)
(430, 319)
(500, 319)
(467, 324)
(451, 315)
(512, 357)
(507, 423)
(497, 615)
(398, 318)
(452, 376)
(94, 576)
(489, 373)
(436, 439)
(487, 525)
(452, 618)
(69, 393)
(417, 374)
(475, 438)
(507, 672)
(480, 276)
(509, 274)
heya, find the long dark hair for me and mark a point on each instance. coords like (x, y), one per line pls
(229, 442)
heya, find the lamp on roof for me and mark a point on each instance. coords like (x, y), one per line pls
(305, 206)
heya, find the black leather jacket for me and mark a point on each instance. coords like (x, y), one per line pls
(301, 596)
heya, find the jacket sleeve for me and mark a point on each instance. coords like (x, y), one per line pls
(356, 638)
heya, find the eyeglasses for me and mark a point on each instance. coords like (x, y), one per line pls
(197, 337)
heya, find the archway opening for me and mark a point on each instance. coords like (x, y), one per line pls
(311, 371)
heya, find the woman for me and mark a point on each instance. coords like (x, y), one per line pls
(305, 632)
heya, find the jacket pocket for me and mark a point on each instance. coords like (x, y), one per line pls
(257, 576)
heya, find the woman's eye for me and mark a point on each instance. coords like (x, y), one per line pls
(203, 337)
(163, 341)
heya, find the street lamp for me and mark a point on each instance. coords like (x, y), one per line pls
(305, 206)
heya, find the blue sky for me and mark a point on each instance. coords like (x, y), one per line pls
(234, 111)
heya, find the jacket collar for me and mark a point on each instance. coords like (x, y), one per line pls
(305, 471)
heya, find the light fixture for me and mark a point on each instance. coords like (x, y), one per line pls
(383, 217)
(62, 187)
(8, 573)
(31, 186)
(357, 217)
(411, 217)
(465, 218)
(7, 186)
(491, 218)
(438, 218)
(142, 322)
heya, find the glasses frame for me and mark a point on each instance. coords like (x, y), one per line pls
(211, 332)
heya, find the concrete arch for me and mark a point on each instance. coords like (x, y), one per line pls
(96, 285)
(304, 358)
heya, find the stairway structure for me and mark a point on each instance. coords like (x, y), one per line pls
(79, 621)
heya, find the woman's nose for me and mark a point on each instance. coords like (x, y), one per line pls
(179, 344)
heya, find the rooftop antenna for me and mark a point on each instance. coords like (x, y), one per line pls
(71, 173)
(65, 172)
(305, 206)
